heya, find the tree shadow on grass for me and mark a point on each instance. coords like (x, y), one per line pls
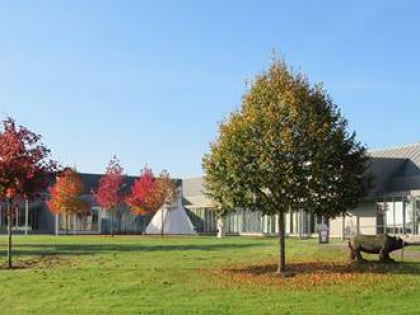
(92, 249)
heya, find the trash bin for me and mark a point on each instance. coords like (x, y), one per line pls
(323, 234)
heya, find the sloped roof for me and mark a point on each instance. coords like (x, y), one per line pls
(383, 169)
(193, 186)
(194, 193)
(396, 169)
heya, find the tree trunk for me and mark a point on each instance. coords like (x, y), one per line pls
(112, 223)
(67, 223)
(220, 227)
(17, 217)
(282, 235)
(120, 214)
(26, 216)
(9, 234)
(57, 223)
(74, 224)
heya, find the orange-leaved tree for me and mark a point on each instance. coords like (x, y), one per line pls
(109, 194)
(65, 195)
(165, 193)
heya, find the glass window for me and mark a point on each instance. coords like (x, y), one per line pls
(398, 215)
(409, 216)
(88, 222)
(416, 219)
(381, 216)
(390, 217)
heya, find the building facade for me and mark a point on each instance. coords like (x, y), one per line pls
(392, 206)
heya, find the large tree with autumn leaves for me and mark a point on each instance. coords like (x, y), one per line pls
(109, 194)
(66, 195)
(25, 168)
(286, 148)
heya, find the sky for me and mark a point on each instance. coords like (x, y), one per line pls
(149, 81)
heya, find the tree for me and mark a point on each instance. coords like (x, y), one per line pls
(65, 195)
(25, 168)
(138, 199)
(218, 192)
(286, 148)
(149, 193)
(164, 193)
(109, 194)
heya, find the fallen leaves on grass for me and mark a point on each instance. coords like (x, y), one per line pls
(45, 261)
(310, 274)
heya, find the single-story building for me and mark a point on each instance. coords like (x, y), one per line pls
(392, 206)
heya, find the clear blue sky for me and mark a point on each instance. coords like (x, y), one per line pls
(150, 80)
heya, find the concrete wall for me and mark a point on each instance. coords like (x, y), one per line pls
(367, 215)
(362, 220)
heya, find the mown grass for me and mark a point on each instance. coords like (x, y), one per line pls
(198, 275)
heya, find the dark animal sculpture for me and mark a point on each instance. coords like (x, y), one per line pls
(381, 244)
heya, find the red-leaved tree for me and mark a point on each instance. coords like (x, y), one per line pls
(149, 193)
(25, 168)
(109, 194)
(143, 187)
(66, 195)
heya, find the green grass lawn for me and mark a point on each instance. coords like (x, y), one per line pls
(198, 275)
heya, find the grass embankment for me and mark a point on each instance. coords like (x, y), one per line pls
(198, 275)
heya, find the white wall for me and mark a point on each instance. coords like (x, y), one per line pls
(361, 220)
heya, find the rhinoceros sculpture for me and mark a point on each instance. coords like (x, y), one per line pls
(381, 244)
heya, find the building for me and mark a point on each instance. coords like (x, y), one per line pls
(392, 206)
(96, 221)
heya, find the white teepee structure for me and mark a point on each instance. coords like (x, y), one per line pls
(174, 219)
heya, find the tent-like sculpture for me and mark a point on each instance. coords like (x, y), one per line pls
(174, 219)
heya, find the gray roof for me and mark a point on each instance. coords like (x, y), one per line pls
(396, 169)
(194, 193)
(193, 186)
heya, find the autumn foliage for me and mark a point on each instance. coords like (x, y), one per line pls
(165, 191)
(309, 274)
(138, 199)
(66, 194)
(109, 193)
(149, 193)
(286, 148)
(24, 163)
(25, 168)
